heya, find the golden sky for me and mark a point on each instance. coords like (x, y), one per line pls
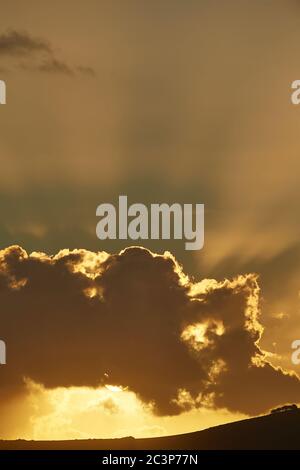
(163, 101)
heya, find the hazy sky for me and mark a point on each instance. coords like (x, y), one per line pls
(165, 101)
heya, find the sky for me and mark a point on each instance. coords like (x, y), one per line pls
(165, 101)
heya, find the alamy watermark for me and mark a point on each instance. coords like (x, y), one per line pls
(159, 222)
(2, 92)
(2, 352)
(295, 96)
(296, 354)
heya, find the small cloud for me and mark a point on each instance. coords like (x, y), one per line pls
(280, 315)
(37, 55)
(55, 66)
(86, 70)
(14, 43)
(35, 229)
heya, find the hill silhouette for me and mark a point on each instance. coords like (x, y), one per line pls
(278, 430)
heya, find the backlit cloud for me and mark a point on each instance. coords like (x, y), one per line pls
(136, 322)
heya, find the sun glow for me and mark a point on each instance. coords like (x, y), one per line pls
(104, 412)
(114, 388)
(197, 336)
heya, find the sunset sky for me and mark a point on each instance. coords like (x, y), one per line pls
(164, 101)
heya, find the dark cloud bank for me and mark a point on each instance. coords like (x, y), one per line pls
(134, 319)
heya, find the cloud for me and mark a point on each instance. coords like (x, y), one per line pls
(14, 43)
(86, 70)
(135, 320)
(36, 54)
(55, 66)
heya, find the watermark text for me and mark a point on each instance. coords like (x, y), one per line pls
(158, 222)
(2, 92)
